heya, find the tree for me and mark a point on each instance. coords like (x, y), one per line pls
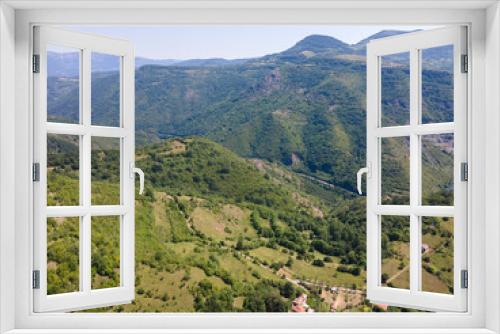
(385, 277)
(239, 244)
(287, 290)
(254, 303)
(318, 263)
(209, 299)
(274, 303)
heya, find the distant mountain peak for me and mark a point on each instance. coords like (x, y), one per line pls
(318, 43)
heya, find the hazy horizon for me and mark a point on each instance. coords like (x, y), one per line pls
(228, 42)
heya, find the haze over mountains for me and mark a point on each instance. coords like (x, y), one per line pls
(64, 64)
(250, 178)
(303, 107)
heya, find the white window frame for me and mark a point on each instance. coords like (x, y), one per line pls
(85, 297)
(15, 165)
(414, 43)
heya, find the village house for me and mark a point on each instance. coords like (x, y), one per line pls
(299, 304)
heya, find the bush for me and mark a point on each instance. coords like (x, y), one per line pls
(318, 263)
(276, 265)
(385, 277)
(356, 271)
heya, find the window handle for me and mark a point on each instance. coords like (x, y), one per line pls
(134, 170)
(141, 179)
(361, 171)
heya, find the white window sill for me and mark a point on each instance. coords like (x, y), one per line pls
(254, 331)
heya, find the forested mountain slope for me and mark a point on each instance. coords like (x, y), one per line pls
(250, 171)
(216, 232)
(304, 107)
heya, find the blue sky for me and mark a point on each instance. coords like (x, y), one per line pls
(230, 42)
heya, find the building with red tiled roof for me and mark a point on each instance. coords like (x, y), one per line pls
(299, 304)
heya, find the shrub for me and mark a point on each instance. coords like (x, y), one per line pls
(318, 263)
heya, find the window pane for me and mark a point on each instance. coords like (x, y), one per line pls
(437, 254)
(437, 84)
(63, 84)
(105, 89)
(395, 251)
(437, 169)
(105, 171)
(63, 156)
(395, 91)
(395, 170)
(63, 254)
(105, 252)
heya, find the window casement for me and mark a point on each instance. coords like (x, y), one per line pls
(82, 209)
(411, 211)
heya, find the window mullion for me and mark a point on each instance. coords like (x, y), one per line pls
(85, 175)
(415, 188)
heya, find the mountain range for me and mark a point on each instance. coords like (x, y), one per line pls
(303, 107)
(66, 64)
(250, 174)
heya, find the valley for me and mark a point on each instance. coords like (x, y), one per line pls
(250, 198)
(204, 242)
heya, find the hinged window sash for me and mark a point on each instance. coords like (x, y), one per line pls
(410, 136)
(82, 214)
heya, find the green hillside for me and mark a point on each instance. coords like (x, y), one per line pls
(304, 107)
(216, 232)
(214, 227)
(250, 174)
